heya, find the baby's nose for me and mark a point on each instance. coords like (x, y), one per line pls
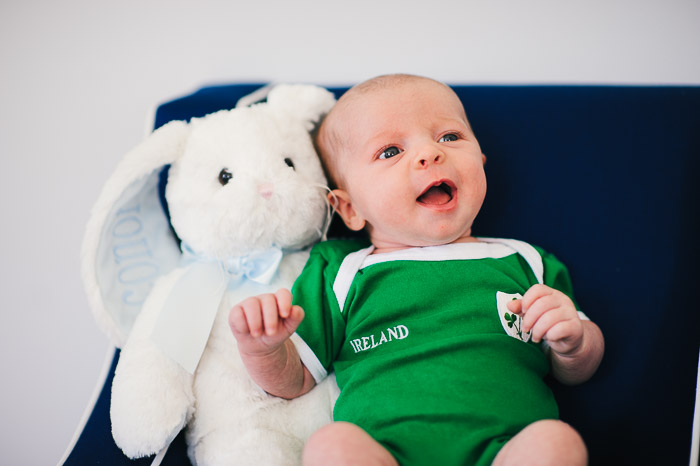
(266, 190)
(425, 159)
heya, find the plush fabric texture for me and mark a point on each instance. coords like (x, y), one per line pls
(241, 183)
(604, 177)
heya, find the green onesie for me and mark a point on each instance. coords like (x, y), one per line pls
(428, 359)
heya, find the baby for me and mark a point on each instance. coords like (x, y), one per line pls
(439, 340)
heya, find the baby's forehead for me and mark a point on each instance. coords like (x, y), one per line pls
(359, 101)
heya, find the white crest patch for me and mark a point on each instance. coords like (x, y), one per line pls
(512, 323)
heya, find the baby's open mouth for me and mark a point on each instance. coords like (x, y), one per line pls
(438, 194)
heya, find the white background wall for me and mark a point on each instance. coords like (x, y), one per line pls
(79, 77)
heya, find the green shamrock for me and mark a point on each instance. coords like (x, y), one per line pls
(512, 320)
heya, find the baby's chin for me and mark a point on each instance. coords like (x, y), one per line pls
(408, 243)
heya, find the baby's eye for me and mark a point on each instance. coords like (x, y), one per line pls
(389, 152)
(224, 176)
(449, 137)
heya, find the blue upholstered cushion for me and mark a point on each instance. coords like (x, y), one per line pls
(605, 178)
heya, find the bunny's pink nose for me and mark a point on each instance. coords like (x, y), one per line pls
(265, 190)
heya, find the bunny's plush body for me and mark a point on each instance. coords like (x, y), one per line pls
(246, 198)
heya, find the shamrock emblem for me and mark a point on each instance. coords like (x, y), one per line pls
(512, 323)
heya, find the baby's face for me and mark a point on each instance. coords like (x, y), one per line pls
(411, 165)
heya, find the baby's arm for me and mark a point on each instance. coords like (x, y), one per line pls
(576, 345)
(262, 326)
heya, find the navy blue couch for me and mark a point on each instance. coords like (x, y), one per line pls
(605, 177)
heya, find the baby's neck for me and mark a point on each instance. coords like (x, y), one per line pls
(383, 249)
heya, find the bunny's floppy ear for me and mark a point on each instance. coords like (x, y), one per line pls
(128, 241)
(302, 101)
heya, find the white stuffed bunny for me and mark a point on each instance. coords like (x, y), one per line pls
(245, 194)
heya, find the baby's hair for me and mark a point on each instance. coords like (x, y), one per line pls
(389, 80)
(330, 139)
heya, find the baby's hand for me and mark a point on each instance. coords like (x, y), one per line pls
(263, 323)
(551, 316)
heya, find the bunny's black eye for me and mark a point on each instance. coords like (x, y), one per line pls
(224, 176)
(289, 163)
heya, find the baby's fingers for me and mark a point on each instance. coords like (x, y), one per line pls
(237, 320)
(252, 311)
(534, 311)
(545, 322)
(270, 313)
(565, 336)
(284, 302)
(296, 315)
(534, 293)
(515, 306)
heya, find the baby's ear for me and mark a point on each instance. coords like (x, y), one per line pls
(305, 102)
(342, 204)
